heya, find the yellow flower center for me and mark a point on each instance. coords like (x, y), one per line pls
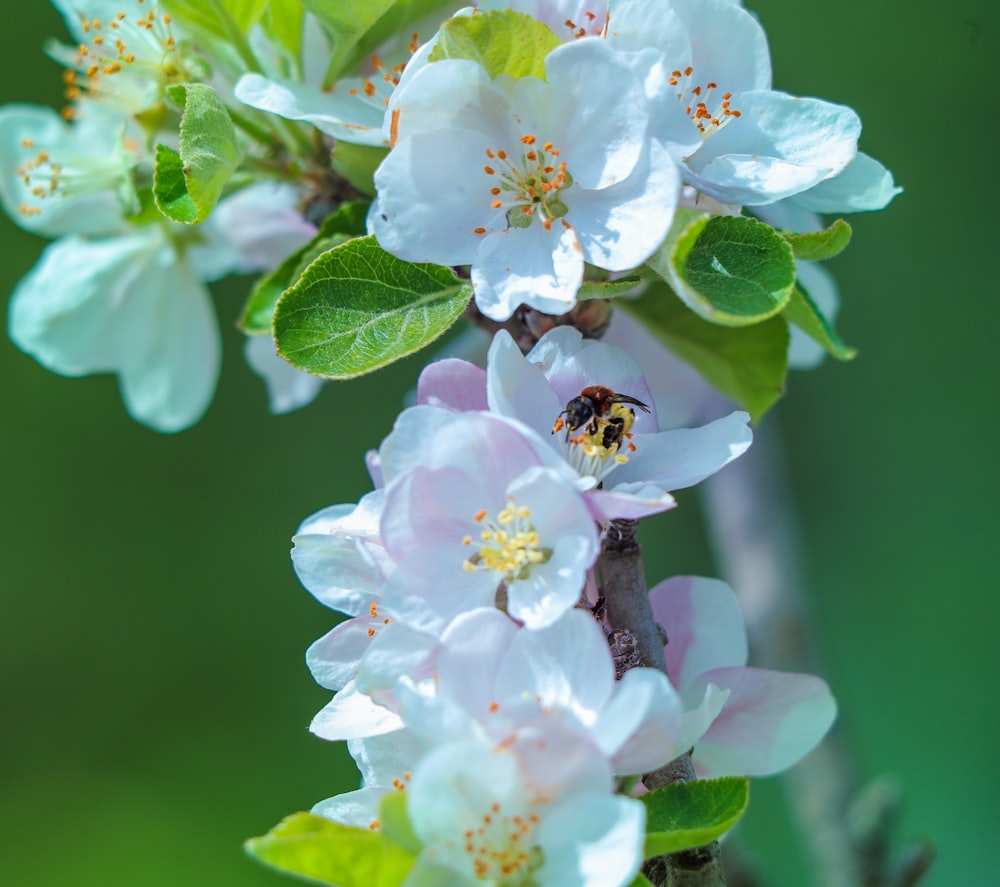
(509, 543)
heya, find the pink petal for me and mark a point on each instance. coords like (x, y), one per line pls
(453, 384)
(770, 721)
(704, 626)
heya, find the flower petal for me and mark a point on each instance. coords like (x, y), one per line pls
(770, 721)
(539, 268)
(674, 460)
(704, 626)
(337, 113)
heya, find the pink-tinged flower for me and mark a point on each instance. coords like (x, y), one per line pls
(491, 679)
(537, 810)
(474, 503)
(771, 718)
(630, 474)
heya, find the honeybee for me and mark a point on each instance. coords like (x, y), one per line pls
(594, 406)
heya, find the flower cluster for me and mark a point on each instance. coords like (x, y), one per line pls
(536, 172)
(475, 673)
(528, 163)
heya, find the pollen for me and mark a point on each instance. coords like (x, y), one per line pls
(500, 847)
(511, 545)
(528, 139)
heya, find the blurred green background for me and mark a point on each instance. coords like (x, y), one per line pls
(152, 632)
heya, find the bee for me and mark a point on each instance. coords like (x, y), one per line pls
(596, 405)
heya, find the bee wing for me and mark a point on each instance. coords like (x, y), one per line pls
(624, 398)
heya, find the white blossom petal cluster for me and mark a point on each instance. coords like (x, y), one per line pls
(473, 674)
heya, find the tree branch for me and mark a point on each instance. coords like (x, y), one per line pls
(623, 584)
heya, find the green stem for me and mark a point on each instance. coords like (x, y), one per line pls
(259, 133)
(236, 37)
(293, 137)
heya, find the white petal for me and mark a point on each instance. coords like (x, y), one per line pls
(674, 460)
(352, 715)
(565, 665)
(516, 386)
(805, 353)
(621, 226)
(337, 113)
(539, 268)
(780, 146)
(125, 305)
(592, 841)
(432, 196)
(598, 123)
(287, 388)
(865, 184)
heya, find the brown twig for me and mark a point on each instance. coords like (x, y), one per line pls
(623, 584)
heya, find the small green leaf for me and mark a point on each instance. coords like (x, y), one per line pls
(821, 245)
(357, 164)
(326, 852)
(398, 21)
(608, 289)
(747, 364)
(731, 270)
(691, 814)
(395, 820)
(346, 21)
(502, 41)
(347, 222)
(803, 312)
(188, 184)
(357, 308)
(283, 20)
(201, 16)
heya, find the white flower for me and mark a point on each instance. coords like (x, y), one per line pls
(736, 139)
(525, 180)
(125, 53)
(59, 178)
(129, 306)
(132, 300)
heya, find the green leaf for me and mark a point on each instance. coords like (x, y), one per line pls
(188, 184)
(283, 21)
(747, 364)
(820, 245)
(326, 852)
(395, 820)
(691, 814)
(803, 312)
(357, 164)
(346, 21)
(641, 881)
(732, 270)
(397, 21)
(357, 308)
(608, 289)
(347, 222)
(502, 41)
(201, 16)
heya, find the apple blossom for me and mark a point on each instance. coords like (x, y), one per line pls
(735, 138)
(635, 475)
(770, 718)
(484, 510)
(525, 180)
(126, 52)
